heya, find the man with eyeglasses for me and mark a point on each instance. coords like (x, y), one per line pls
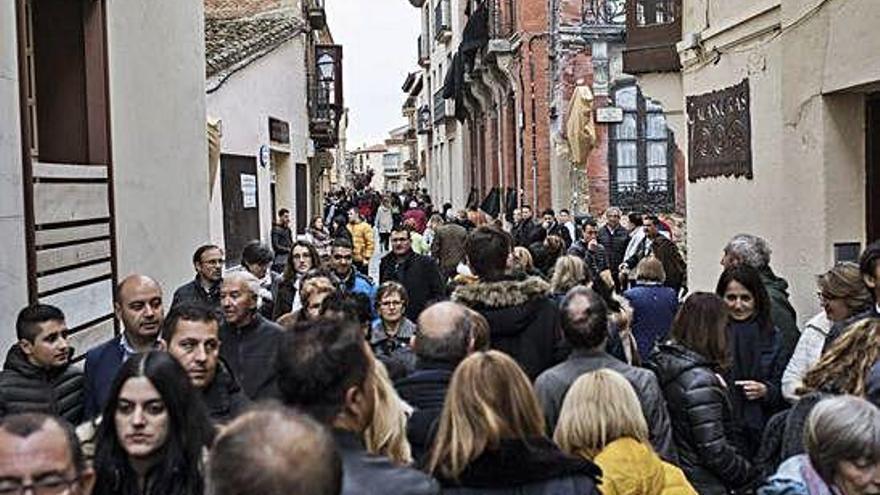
(419, 274)
(205, 288)
(40, 455)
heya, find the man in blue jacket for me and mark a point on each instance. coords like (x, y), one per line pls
(139, 307)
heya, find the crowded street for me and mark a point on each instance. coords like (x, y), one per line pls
(424, 247)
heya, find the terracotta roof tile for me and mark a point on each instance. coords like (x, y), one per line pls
(233, 43)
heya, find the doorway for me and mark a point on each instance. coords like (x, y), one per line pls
(872, 167)
(241, 212)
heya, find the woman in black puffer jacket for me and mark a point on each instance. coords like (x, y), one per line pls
(688, 368)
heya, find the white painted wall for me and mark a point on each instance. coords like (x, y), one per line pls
(807, 136)
(273, 86)
(13, 265)
(157, 88)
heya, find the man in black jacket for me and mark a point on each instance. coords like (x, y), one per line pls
(614, 238)
(595, 255)
(282, 240)
(552, 227)
(417, 273)
(37, 375)
(585, 325)
(325, 370)
(250, 341)
(527, 232)
(443, 341)
(205, 288)
(192, 336)
(523, 320)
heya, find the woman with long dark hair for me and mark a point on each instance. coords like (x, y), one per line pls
(689, 368)
(153, 433)
(303, 258)
(756, 358)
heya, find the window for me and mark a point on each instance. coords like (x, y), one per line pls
(640, 153)
(654, 12)
(653, 27)
(65, 77)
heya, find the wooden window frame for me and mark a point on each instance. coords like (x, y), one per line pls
(641, 196)
(651, 48)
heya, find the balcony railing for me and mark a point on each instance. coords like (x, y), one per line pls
(440, 107)
(604, 12)
(442, 20)
(502, 18)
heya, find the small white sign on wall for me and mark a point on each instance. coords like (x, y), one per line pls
(609, 115)
(249, 190)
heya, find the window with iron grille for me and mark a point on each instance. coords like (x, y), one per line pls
(641, 153)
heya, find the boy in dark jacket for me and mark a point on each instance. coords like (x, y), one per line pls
(37, 375)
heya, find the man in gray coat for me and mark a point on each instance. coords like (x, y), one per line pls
(585, 325)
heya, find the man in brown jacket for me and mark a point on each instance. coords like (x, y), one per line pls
(448, 245)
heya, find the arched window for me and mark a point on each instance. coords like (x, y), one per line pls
(641, 152)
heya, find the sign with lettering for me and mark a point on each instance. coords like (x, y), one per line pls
(609, 115)
(279, 131)
(720, 133)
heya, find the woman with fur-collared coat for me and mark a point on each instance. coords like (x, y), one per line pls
(523, 320)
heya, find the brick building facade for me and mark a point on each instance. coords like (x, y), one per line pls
(520, 62)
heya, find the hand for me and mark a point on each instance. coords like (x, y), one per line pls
(753, 390)
(592, 245)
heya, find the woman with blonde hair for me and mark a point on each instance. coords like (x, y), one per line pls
(568, 272)
(844, 369)
(386, 433)
(601, 420)
(491, 436)
(842, 294)
(316, 286)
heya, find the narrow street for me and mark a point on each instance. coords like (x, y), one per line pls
(633, 247)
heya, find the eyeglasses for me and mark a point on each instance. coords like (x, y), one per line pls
(386, 304)
(52, 485)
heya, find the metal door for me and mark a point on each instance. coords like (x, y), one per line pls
(241, 212)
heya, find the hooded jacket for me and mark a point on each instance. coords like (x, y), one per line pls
(632, 468)
(523, 320)
(25, 387)
(701, 415)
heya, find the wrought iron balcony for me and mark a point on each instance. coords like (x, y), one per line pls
(604, 12)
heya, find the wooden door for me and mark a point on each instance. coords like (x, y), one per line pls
(241, 212)
(872, 168)
(67, 168)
